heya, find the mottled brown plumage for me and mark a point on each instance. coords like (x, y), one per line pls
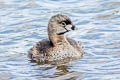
(57, 47)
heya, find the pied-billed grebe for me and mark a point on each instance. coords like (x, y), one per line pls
(57, 47)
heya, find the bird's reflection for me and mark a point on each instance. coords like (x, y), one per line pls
(60, 70)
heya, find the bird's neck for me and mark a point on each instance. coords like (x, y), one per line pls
(58, 40)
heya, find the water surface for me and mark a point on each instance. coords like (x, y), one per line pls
(24, 22)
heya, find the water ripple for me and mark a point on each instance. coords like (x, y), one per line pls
(23, 23)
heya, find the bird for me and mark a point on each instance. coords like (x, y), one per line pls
(57, 46)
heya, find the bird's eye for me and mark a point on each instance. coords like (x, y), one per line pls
(63, 23)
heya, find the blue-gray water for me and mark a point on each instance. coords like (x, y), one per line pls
(24, 22)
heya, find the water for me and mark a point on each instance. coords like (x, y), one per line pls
(23, 23)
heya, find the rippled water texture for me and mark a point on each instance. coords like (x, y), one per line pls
(23, 23)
